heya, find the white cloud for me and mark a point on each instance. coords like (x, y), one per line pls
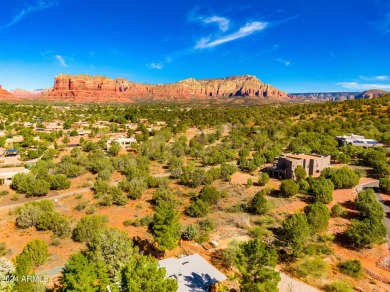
(363, 86)
(223, 23)
(284, 62)
(384, 26)
(157, 66)
(246, 30)
(377, 78)
(29, 7)
(61, 60)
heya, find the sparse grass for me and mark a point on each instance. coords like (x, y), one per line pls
(259, 232)
(91, 210)
(351, 268)
(310, 268)
(243, 221)
(236, 208)
(79, 197)
(86, 184)
(15, 197)
(81, 205)
(4, 193)
(3, 249)
(55, 241)
(338, 286)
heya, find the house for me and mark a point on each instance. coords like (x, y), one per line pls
(193, 273)
(286, 164)
(6, 174)
(14, 139)
(357, 140)
(124, 142)
(11, 152)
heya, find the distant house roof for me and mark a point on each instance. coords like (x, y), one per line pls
(193, 273)
(11, 151)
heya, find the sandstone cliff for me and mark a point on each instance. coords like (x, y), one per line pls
(86, 88)
(6, 95)
(372, 93)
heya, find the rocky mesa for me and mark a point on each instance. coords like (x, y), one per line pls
(6, 95)
(86, 88)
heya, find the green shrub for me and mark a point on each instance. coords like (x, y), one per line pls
(207, 224)
(351, 268)
(263, 179)
(322, 190)
(190, 232)
(367, 232)
(314, 268)
(81, 205)
(259, 204)
(384, 184)
(289, 188)
(197, 209)
(317, 216)
(59, 182)
(91, 210)
(3, 249)
(236, 208)
(338, 286)
(89, 227)
(147, 220)
(342, 178)
(37, 251)
(128, 223)
(338, 211)
(209, 195)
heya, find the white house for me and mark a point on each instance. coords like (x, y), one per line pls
(6, 174)
(124, 142)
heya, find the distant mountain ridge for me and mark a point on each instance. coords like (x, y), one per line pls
(86, 88)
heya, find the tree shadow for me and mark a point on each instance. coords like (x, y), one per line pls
(196, 281)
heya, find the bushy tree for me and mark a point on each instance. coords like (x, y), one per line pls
(256, 262)
(209, 194)
(37, 251)
(114, 149)
(136, 188)
(365, 233)
(190, 232)
(114, 248)
(166, 229)
(28, 215)
(89, 227)
(143, 274)
(197, 208)
(294, 233)
(82, 274)
(259, 204)
(263, 179)
(289, 188)
(384, 184)
(59, 182)
(318, 216)
(300, 173)
(368, 206)
(38, 188)
(322, 190)
(351, 268)
(342, 178)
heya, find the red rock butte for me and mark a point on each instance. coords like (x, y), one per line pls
(6, 95)
(86, 88)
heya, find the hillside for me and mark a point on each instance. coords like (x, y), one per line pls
(372, 93)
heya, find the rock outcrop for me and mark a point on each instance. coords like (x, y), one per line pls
(6, 95)
(372, 93)
(29, 94)
(86, 88)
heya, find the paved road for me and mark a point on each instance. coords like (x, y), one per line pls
(375, 186)
(63, 195)
(288, 284)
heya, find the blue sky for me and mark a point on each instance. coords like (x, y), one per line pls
(295, 45)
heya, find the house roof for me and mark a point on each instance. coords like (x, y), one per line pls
(193, 273)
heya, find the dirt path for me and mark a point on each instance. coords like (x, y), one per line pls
(59, 196)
